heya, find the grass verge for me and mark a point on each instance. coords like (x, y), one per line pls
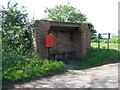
(98, 57)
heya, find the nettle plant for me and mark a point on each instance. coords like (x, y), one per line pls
(16, 28)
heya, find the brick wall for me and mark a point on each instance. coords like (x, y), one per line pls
(41, 30)
(77, 41)
(84, 39)
(62, 43)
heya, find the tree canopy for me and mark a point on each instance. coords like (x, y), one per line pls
(15, 28)
(67, 13)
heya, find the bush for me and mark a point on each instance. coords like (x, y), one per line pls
(16, 39)
(16, 28)
(19, 67)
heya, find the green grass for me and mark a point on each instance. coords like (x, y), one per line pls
(97, 57)
(114, 39)
(104, 45)
(18, 67)
(116, 36)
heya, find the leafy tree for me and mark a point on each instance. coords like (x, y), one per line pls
(16, 31)
(93, 31)
(67, 13)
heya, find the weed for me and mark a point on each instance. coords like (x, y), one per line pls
(19, 67)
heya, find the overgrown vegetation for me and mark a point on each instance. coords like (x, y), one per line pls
(17, 63)
(19, 67)
(16, 28)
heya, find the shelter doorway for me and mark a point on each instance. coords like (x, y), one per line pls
(64, 42)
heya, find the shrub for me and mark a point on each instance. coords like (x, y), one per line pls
(16, 28)
(19, 67)
(17, 64)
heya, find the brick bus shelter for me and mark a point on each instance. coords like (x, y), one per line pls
(71, 40)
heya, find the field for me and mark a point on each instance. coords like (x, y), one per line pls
(97, 57)
(104, 45)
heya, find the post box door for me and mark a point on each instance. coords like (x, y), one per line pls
(49, 41)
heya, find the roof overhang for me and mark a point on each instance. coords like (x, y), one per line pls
(64, 26)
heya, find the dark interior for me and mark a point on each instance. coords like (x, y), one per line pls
(64, 41)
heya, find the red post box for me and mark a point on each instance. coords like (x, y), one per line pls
(49, 41)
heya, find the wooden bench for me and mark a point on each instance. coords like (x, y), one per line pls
(64, 55)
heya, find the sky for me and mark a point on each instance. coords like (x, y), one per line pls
(103, 14)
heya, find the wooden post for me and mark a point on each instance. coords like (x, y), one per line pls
(108, 44)
(49, 50)
(99, 41)
(108, 40)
